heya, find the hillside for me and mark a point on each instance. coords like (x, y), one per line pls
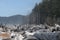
(16, 19)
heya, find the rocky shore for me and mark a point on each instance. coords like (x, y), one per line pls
(30, 32)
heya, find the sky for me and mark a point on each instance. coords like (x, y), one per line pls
(16, 7)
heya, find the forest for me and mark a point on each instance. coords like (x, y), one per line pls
(46, 12)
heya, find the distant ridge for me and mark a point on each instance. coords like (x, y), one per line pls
(15, 19)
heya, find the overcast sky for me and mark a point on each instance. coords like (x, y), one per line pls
(13, 7)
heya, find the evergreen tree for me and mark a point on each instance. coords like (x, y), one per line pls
(48, 8)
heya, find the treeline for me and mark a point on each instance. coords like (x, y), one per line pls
(46, 12)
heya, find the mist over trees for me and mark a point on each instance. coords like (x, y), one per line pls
(46, 12)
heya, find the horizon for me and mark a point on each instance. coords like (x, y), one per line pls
(14, 15)
(16, 7)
